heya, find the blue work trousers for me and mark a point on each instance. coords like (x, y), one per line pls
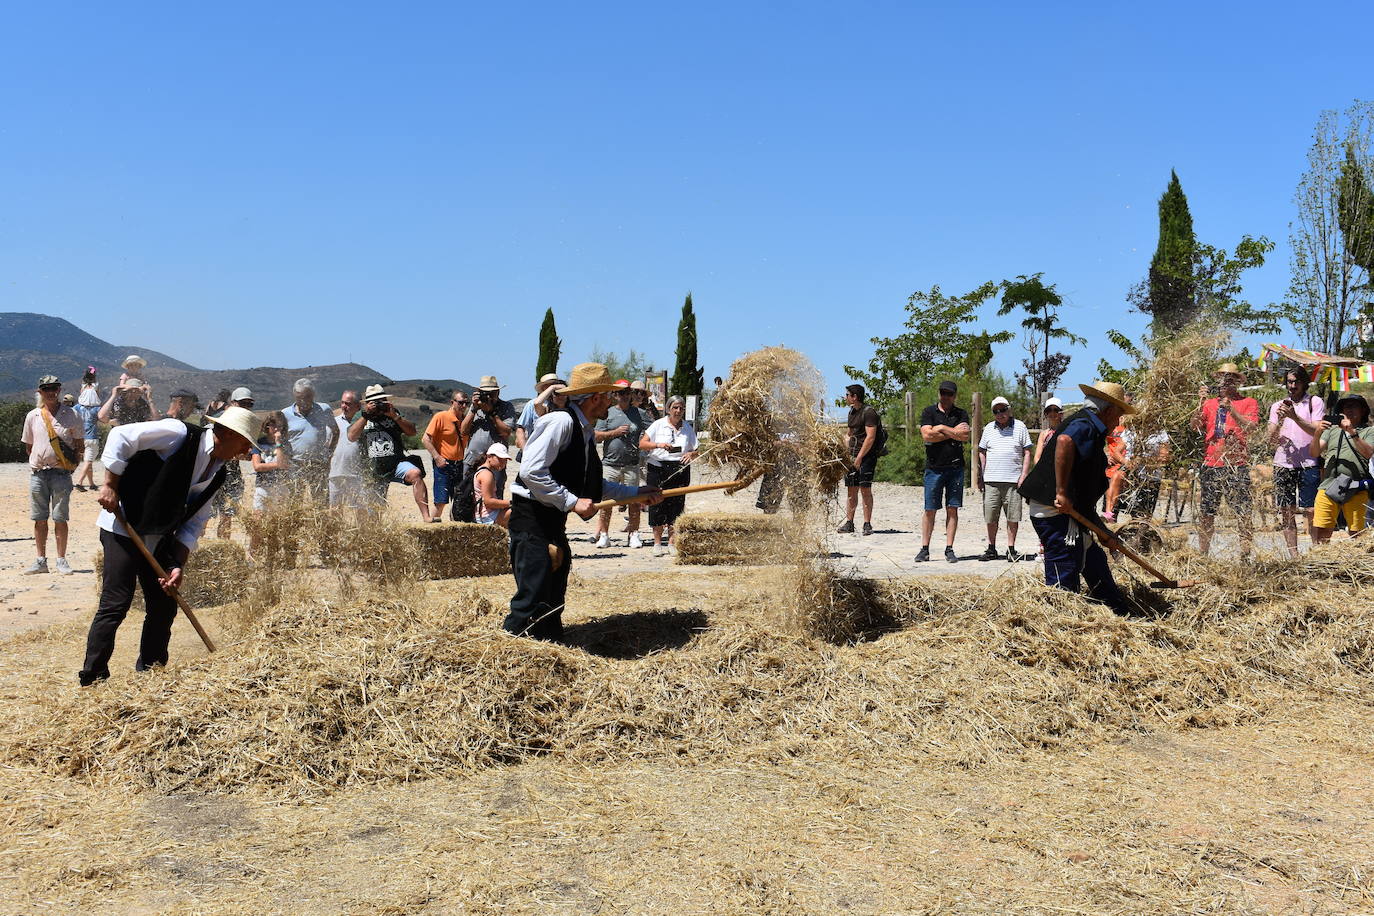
(1066, 564)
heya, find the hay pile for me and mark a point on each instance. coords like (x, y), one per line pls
(732, 539)
(453, 551)
(216, 573)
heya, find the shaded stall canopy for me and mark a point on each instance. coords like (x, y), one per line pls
(1339, 372)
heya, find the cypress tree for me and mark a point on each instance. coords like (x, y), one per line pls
(550, 347)
(1172, 300)
(688, 377)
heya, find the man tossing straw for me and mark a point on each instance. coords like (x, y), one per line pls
(1072, 473)
(163, 473)
(560, 473)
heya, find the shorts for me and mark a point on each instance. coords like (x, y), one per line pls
(50, 493)
(861, 475)
(92, 451)
(1296, 487)
(1324, 515)
(1231, 483)
(346, 492)
(263, 497)
(447, 479)
(489, 518)
(380, 483)
(944, 485)
(997, 496)
(629, 476)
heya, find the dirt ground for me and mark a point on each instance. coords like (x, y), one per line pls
(1265, 817)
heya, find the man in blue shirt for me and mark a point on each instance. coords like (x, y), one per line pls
(313, 434)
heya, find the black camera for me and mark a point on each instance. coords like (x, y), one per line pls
(674, 449)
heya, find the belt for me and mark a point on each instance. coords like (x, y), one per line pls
(46, 470)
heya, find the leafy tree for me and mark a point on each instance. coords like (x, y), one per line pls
(1332, 239)
(1217, 289)
(1040, 304)
(630, 366)
(688, 377)
(550, 347)
(934, 343)
(1169, 298)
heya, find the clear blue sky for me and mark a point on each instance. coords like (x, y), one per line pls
(412, 185)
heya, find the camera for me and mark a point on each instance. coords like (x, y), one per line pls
(674, 449)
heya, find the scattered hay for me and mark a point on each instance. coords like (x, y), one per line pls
(217, 572)
(729, 539)
(454, 551)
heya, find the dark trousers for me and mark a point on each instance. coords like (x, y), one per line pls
(1066, 564)
(540, 590)
(464, 505)
(125, 566)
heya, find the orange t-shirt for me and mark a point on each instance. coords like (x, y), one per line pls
(443, 431)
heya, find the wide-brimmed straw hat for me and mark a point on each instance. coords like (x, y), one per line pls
(1229, 369)
(240, 420)
(589, 378)
(374, 393)
(547, 379)
(488, 383)
(1109, 391)
(133, 362)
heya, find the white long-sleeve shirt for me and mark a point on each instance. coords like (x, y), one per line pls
(163, 437)
(551, 434)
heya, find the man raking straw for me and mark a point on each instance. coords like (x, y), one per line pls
(162, 475)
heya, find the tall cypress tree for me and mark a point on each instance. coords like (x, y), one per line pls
(550, 347)
(1173, 301)
(688, 377)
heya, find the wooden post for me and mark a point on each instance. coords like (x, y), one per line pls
(910, 413)
(975, 434)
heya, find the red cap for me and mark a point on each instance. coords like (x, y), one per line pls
(622, 383)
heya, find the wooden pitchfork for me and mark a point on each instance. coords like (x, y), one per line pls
(162, 574)
(1161, 580)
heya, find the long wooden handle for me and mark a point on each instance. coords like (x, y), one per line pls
(675, 491)
(1115, 543)
(162, 574)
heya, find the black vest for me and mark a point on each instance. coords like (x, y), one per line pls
(154, 492)
(1089, 473)
(577, 467)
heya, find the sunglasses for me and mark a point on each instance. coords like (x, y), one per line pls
(49, 387)
(1001, 410)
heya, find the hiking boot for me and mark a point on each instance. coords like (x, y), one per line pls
(63, 567)
(636, 541)
(868, 529)
(923, 556)
(40, 565)
(1012, 555)
(602, 540)
(949, 555)
(846, 528)
(990, 554)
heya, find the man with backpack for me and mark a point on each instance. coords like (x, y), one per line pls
(866, 439)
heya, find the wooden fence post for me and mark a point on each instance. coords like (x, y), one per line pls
(910, 413)
(975, 433)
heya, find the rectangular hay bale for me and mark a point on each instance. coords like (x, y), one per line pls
(730, 539)
(454, 550)
(216, 573)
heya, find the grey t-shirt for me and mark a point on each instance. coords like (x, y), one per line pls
(483, 432)
(623, 450)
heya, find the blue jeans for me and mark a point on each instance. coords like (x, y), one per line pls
(1065, 563)
(947, 483)
(447, 479)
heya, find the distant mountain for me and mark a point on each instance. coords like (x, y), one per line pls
(32, 345)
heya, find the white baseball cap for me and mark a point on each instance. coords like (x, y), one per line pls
(241, 394)
(499, 450)
(1000, 401)
(1053, 402)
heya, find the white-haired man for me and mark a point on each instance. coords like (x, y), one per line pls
(561, 473)
(313, 435)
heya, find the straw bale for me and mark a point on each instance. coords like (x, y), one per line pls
(731, 539)
(217, 572)
(454, 551)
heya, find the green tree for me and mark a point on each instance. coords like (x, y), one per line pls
(1217, 290)
(630, 366)
(688, 377)
(12, 414)
(1040, 304)
(1170, 299)
(550, 347)
(934, 343)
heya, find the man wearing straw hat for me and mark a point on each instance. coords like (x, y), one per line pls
(561, 473)
(163, 475)
(488, 419)
(1225, 421)
(1072, 473)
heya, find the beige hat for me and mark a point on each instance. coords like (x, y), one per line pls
(1109, 391)
(589, 378)
(1000, 401)
(488, 383)
(1229, 369)
(499, 450)
(240, 420)
(638, 385)
(549, 378)
(133, 362)
(133, 383)
(374, 393)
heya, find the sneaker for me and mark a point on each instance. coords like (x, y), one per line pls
(990, 554)
(40, 565)
(63, 567)
(846, 528)
(659, 550)
(602, 540)
(1012, 555)
(636, 541)
(868, 529)
(924, 555)
(950, 556)
(79, 487)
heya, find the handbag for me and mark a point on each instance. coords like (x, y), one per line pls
(1341, 487)
(66, 455)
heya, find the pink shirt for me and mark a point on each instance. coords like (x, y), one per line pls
(1294, 449)
(65, 423)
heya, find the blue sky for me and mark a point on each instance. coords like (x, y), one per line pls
(410, 187)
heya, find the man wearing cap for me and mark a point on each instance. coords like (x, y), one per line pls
(161, 476)
(312, 434)
(54, 437)
(489, 419)
(181, 404)
(1072, 473)
(561, 473)
(546, 396)
(1225, 421)
(444, 441)
(381, 430)
(346, 464)
(619, 432)
(129, 402)
(944, 429)
(864, 428)
(1344, 450)
(230, 493)
(488, 485)
(1004, 460)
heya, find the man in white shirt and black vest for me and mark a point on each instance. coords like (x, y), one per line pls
(560, 473)
(163, 475)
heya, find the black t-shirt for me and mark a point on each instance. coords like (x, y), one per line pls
(383, 445)
(859, 419)
(949, 453)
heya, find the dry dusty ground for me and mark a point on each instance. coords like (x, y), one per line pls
(1267, 817)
